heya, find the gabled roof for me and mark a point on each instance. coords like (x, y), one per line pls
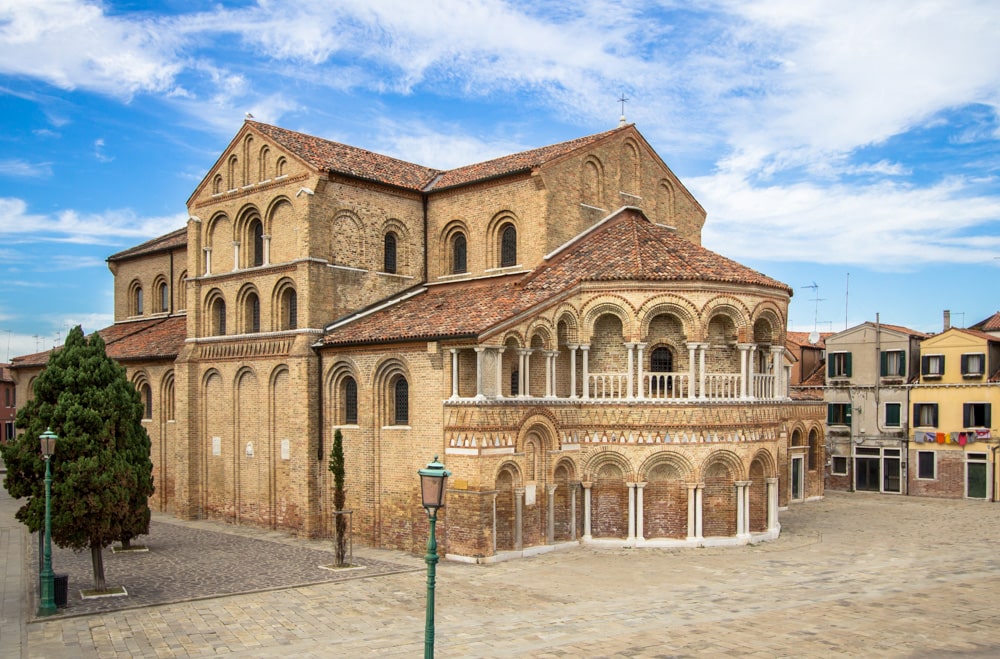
(971, 333)
(801, 339)
(517, 162)
(328, 156)
(153, 339)
(624, 247)
(173, 240)
(991, 324)
(899, 329)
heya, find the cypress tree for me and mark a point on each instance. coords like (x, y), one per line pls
(101, 469)
(336, 466)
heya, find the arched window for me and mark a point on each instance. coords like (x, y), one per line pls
(458, 252)
(289, 309)
(515, 383)
(389, 254)
(146, 394)
(137, 301)
(257, 243)
(219, 317)
(217, 184)
(252, 313)
(813, 450)
(350, 400)
(661, 360)
(508, 246)
(401, 402)
(164, 297)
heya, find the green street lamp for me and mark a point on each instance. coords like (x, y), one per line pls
(432, 482)
(48, 604)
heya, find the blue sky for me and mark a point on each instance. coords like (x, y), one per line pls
(822, 138)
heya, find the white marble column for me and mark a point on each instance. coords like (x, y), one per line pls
(692, 489)
(630, 372)
(772, 504)
(236, 255)
(494, 497)
(750, 371)
(521, 366)
(586, 370)
(208, 260)
(744, 349)
(572, 370)
(586, 511)
(741, 507)
(778, 369)
(642, 391)
(631, 512)
(550, 530)
(550, 373)
(454, 373)
(518, 516)
(692, 351)
(499, 374)
(701, 369)
(267, 249)
(480, 355)
(640, 531)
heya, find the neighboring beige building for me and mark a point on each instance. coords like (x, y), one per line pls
(867, 370)
(547, 323)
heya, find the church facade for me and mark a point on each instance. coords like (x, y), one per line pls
(546, 323)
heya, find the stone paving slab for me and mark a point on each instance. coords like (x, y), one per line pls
(854, 575)
(190, 561)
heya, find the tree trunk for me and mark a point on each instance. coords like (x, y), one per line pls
(339, 545)
(97, 559)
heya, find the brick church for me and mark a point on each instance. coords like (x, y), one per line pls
(547, 323)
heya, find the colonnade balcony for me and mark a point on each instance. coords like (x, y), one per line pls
(756, 372)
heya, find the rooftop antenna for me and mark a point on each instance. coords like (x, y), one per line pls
(847, 292)
(814, 335)
(37, 344)
(623, 101)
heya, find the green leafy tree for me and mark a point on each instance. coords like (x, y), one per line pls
(101, 470)
(336, 466)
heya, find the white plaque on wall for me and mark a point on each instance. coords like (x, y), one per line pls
(249, 449)
(285, 450)
(529, 494)
(216, 446)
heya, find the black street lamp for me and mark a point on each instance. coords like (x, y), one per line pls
(47, 606)
(432, 488)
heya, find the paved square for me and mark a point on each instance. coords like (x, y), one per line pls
(851, 575)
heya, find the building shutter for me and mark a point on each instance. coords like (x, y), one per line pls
(885, 363)
(847, 364)
(966, 415)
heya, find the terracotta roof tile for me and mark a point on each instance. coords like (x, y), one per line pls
(156, 338)
(905, 330)
(517, 162)
(343, 159)
(801, 339)
(353, 161)
(991, 324)
(172, 240)
(626, 247)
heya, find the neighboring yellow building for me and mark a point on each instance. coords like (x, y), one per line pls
(952, 448)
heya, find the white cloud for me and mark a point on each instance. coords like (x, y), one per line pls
(888, 226)
(72, 43)
(74, 227)
(23, 169)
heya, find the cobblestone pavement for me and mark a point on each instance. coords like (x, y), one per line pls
(851, 575)
(194, 561)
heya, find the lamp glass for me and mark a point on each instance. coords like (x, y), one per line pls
(432, 485)
(48, 442)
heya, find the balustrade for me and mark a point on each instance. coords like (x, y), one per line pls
(665, 386)
(722, 385)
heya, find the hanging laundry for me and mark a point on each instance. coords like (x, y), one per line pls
(962, 438)
(953, 439)
(931, 437)
(982, 434)
(918, 437)
(940, 437)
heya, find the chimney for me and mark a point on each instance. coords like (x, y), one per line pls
(947, 320)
